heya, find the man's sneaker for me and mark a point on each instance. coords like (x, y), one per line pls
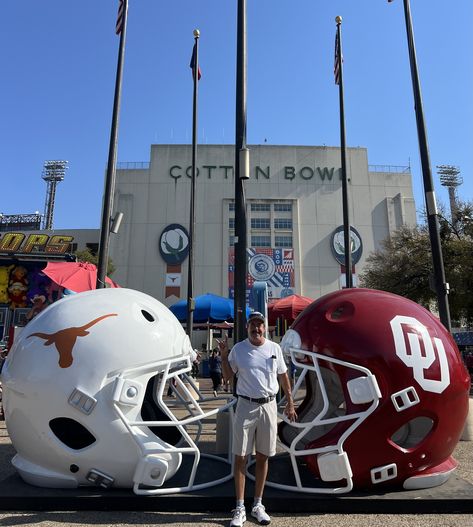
(260, 514)
(239, 517)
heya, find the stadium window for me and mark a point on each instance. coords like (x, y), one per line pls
(260, 223)
(283, 241)
(283, 207)
(261, 241)
(283, 223)
(260, 207)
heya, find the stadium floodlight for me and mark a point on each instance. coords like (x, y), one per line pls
(53, 172)
(450, 178)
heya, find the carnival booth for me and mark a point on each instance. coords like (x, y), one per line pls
(25, 290)
(30, 283)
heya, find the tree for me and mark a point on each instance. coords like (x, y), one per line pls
(403, 265)
(87, 255)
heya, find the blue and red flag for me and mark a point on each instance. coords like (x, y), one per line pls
(192, 63)
(336, 66)
(120, 17)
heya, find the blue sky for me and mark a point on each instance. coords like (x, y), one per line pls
(58, 61)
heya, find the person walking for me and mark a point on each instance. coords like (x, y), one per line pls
(258, 364)
(215, 370)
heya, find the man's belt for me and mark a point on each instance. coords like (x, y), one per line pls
(261, 400)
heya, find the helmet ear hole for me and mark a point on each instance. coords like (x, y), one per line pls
(148, 316)
(71, 433)
(412, 433)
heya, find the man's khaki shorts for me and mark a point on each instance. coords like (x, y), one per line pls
(255, 426)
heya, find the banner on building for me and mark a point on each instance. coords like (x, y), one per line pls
(273, 266)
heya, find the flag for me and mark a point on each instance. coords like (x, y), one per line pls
(192, 63)
(336, 66)
(120, 17)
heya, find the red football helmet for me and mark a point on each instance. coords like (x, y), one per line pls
(384, 395)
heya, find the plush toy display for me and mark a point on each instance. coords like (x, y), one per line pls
(4, 278)
(39, 303)
(17, 295)
(19, 275)
(39, 284)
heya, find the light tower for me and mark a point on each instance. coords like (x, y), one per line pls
(450, 178)
(53, 172)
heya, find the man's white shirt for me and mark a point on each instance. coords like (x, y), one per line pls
(257, 368)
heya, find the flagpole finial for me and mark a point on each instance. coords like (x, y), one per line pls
(196, 33)
(338, 19)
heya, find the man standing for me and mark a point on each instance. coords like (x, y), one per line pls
(215, 370)
(257, 363)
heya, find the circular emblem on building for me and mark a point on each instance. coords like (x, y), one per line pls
(174, 244)
(338, 245)
(261, 267)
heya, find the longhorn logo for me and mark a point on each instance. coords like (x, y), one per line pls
(65, 339)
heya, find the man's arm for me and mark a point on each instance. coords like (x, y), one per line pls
(227, 372)
(289, 410)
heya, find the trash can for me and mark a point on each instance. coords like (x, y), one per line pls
(204, 368)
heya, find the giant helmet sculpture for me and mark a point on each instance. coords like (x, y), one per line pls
(385, 395)
(83, 395)
(382, 396)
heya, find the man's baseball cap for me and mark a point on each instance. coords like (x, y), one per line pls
(256, 315)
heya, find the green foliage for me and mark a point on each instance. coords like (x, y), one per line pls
(88, 256)
(404, 264)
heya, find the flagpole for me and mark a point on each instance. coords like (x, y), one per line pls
(112, 154)
(242, 164)
(441, 286)
(343, 153)
(190, 292)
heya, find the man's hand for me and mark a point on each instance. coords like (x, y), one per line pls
(223, 346)
(290, 411)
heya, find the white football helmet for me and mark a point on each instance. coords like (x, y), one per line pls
(83, 391)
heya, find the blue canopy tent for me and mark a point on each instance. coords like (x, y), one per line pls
(208, 308)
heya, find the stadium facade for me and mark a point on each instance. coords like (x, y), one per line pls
(294, 218)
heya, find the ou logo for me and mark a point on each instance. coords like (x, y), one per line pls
(417, 358)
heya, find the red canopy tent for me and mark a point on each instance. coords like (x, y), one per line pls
(288, 308)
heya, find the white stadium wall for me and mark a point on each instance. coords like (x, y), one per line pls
(294, 205)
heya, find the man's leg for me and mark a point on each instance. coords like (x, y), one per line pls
(258, 511)
(261, 473)
(265, 442)
(240, 469)
(239, 513)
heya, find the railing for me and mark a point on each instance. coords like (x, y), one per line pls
(390, 168)
(132, 165)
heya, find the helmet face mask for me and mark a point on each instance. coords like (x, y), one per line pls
(383, 395)
(84, 396)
